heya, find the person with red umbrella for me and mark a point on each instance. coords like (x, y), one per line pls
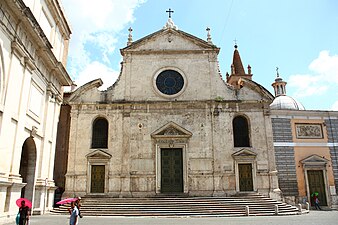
(24, 210)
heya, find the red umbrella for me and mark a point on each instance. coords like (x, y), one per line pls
(66, 200)
(27, 202)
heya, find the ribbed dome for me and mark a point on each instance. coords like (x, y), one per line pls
(286, 102)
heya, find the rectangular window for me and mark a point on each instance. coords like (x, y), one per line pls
(309, 131)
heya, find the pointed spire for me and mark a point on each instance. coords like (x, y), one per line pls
(130, 37)
(208, 36)
(237, 63)
(279, 85)
(237, 70)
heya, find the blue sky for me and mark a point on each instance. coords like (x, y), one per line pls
(300, 37)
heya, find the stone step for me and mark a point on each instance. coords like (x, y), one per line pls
(181, 206)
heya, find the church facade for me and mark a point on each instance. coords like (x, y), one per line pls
(171, 125)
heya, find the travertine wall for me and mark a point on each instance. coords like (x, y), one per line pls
(203, 111)
(209, 150)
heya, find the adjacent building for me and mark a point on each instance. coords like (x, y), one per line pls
(34, 38)
(306, 148)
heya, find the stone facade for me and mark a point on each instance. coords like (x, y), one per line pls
(144, 123)
(32, 73)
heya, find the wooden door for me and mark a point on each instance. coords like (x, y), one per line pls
(316, 184)
(171, 171)
(97, 179)
(245, 177)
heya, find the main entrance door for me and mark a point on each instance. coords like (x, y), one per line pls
(316, 184)
(171, 170)
(245, 177)
(97, 179)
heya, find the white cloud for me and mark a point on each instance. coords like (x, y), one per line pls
(324, 76)
(95, 29)
(96, 70)
(335, 106)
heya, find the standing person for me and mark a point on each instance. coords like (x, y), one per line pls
(78, 204)
(24, 213)
(74, 216)
(316, 202)
(70, 210)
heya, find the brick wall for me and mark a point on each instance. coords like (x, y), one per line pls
(285, 158)
(332, 132)
(281, 130)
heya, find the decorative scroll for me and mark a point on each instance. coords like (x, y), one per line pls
(309, 131)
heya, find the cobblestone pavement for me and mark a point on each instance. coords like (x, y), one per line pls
(313, 218)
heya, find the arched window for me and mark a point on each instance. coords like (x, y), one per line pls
(241, 132)
(100, 133)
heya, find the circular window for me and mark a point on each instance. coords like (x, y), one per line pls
(169, 82)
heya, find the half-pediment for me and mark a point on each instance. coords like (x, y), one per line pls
(314, 160)
(254, 90)
(167, 40)
(244, 154)
(98, 155)
(171, 130)
(80, 94)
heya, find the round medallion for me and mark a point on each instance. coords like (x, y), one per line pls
(169, 82)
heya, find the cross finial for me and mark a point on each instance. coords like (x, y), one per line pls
(235, 43)
(277, 71)
(208, 35)
(169, 11)
(130, 36)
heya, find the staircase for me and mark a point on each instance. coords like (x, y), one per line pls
(253, 205)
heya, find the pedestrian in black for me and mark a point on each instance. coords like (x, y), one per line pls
(24, 214)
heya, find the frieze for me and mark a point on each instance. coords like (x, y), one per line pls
(309, 131)
(172, 141)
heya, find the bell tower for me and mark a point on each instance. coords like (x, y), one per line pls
(237, 70)
(279, 85)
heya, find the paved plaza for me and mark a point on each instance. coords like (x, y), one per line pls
(313, 218)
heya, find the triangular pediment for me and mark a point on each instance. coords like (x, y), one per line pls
(171, 130)
(244, 153)
(99, 154)
(169, 40)
(314, 160)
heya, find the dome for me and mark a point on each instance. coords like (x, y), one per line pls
(286, 102)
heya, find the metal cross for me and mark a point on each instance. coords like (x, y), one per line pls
(235, 41)
(169, 11)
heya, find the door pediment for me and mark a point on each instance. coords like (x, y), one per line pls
(314, 160)
(171, 130)
(244, 154)
(98, 155)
